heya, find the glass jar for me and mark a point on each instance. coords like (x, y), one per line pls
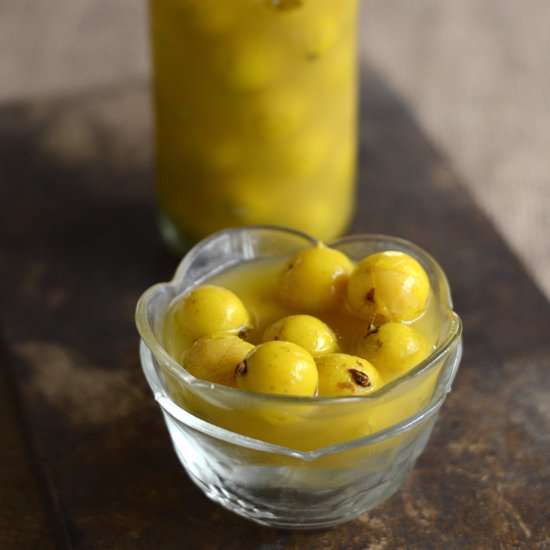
(256, 110)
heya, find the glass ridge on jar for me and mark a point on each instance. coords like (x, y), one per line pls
(256, 108)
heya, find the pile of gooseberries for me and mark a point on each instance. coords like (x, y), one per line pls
(347, 330)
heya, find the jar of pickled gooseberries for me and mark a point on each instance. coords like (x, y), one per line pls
(256, 104)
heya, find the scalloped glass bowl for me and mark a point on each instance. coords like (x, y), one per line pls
(295, 462)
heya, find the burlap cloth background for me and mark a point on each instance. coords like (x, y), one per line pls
(475, 73)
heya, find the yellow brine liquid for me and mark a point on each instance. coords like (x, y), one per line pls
(306, 425)
(255, 114)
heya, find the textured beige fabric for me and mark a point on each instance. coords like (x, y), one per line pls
(53, 47)
(475, 73)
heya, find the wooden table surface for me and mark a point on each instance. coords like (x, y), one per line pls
(85, 460)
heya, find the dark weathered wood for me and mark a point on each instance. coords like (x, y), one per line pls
(79, 245)
(24, 519)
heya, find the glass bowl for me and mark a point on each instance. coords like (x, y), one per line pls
(286, 461)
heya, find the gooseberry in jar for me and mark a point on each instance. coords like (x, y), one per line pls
(278, 367)
(388, 285)
(344, 374)
(394, 348)
(314, 279)
(215, 358)
(306, 331)
(211, 309)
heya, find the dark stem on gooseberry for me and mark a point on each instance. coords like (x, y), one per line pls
(241, 369)
(360, 378)
(369, 297)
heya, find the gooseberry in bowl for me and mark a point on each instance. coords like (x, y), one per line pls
(291, 402)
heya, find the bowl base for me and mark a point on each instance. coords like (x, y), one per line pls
(301, 510)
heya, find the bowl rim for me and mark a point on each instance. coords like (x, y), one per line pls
(443, 348)
(180, 415)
